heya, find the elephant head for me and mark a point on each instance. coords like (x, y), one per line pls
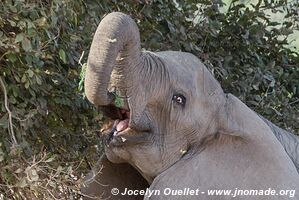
(173, 109)
(157, 124)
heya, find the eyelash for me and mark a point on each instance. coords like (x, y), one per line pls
(179, 99)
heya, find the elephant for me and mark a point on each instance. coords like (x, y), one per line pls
(175, 128)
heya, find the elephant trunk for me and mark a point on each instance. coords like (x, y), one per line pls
(115, 43)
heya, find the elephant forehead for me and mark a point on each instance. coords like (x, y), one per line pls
(183, 68)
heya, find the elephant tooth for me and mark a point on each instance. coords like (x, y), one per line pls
(123, 139)
(120, 59)
(183, 151)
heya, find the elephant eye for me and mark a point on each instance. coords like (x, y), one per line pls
(179, 99)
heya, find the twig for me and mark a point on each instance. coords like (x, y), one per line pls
(53, 39)
(48, 191)
(85, 195)
(296, 101)
(81, 59)
(10, 130)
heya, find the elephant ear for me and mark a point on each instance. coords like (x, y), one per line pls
(107, 175)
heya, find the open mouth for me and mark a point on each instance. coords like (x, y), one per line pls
(117, 123)
(116, 131)
(123, 123)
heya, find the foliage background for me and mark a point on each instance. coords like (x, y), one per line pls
(48, 130)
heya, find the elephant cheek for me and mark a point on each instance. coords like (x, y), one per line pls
(115, 156)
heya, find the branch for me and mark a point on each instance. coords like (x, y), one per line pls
(10, 124)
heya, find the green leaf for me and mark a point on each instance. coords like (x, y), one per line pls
(19, 170)
(62, 55)
(19, 37)
(81, 83)
(273, 23)
(50, 159)
(30, 73)
(27, 85)
(41, 22)
(118, 101)
(82, 77)
(1, 155)
(33, 175)
(4, 120)
(24, 78)
(26, 44)
(12, 23)
(17, 78)
(38, 80)
(22, 183)
(12, 57)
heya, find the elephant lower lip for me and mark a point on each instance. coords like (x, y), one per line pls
(116, 138)
(119, 127)
(126, 138)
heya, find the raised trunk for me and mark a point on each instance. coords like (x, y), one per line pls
(117, 37)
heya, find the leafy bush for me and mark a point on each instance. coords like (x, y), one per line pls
(48, 129)
(41, 44)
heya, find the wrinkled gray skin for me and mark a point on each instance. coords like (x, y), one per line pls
(289, 141)
(213, 141)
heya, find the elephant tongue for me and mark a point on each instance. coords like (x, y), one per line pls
(122, 125)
